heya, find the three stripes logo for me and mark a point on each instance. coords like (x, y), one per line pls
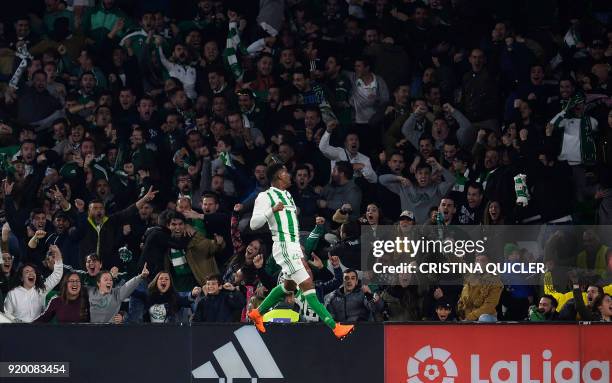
(232, 364)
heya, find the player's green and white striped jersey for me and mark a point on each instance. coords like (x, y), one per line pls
(283, 224)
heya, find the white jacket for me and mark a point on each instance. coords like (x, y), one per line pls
(185, 73)
(340, 154)
(365, 99)
(571, 150)
(26, 305)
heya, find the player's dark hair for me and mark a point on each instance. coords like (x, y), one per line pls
(273, 170)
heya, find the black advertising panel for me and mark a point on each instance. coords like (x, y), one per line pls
(219, 353)
(287, 353)
(100, 353)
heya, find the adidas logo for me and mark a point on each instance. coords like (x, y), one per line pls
(232, 364)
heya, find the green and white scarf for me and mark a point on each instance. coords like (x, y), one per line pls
(233, 48)
(179, 262)
(226, 158)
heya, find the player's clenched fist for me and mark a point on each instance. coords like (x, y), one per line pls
(278, 207)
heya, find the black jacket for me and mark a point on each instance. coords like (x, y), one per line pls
(352, 307)
(19, 204)
(576, 306)
(219, 223)
(157, 243)
(306, 200)
(133, 241)
(479, 93)
(33, 106)
(552, 189)
(4, 288)
(159, 309)
(468, 216)
(105, 242)
(500, 188)
(349, 251)
(219, 308)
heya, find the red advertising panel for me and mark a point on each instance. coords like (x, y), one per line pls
(596, 344)
(498, 354)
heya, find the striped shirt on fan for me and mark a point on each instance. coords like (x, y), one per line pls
(283, 224)
(179, 262)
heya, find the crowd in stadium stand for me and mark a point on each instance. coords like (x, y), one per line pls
(135, 137)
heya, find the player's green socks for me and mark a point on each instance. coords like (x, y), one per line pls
(276, 295)
(317, 307)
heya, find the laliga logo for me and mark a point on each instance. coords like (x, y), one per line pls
(428, 364)
(431, 365)
(550, 373)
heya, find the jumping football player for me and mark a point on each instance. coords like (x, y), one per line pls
(276, 208)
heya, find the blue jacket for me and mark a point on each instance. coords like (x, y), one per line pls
(517, 284)
(219, 308)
